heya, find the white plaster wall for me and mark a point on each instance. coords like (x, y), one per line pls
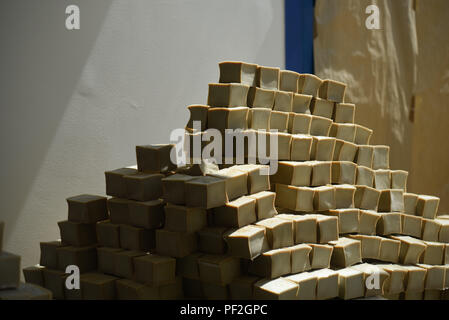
(75, 103)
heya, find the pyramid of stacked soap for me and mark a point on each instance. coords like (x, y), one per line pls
(333, 221)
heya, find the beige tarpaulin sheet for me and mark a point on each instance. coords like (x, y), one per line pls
(398, 76)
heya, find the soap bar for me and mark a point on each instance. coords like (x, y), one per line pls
(48, 257)
(389, 250)
(154, 269)
(258, 177)
(98, 287)
(218, 269)
(389, 223)
(411, 225)
(26, 291)
(322, 148)
(430, 229)
(395, 283)
(343, 131)
(271, 264)
(9, 270)
(227, 118)
(332, 90)
(305, 227)
(293, 173)
(351, 284)
(85, 258)
(435, 278)
(259, 118)
(399, 179)
(295, 198)
(184, 219)
(288, 81)
(365, 156)
(227, 95)
(372, 287)
(370, 246)
(300, 147)
(187, 266)
(241, 288)
(434, 253)
(324, 198)
(368, 222)
(382, 179)
(143, 186)
(236, 182)
(175, 244)
(237, 213)
(299, 123)
(320, 256)
(366, 198)
(284, 141)
(301, 103)
(34, 275)
(443, 235)
(279, 121)
(344, 196)
(344, 113)
(347, 252)
(147, 214)
(267, 78)
(211, 240)
(173, 188)
(198, 114)
(54, 281)
(410, 201)
(246, 242)
(300, 258)
(264, 204)
(155, 158)
(77, 234)
(119, 210)
(237, 72)
(277, 289)
(206, 192)
(344, 150)
(391, 200)
(343, 172)
(115, 186)
(365, 176)
(321, 107)
(260, 98)
(415, 279)
(283, 101)
(362, 135)
(348, 219)
(411, 249)
(135, 238)
(320, 126)
(124, 263)
(108, 234)
(381, 157)
(106, 259)
(309, 84)
(327, 286)
(87, 208)
(307, 285)
(279, 232)
(427, 206)
(321, 173)
(327, 228)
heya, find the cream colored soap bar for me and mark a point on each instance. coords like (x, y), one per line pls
(372, 287)
(343, 131)
(218, 269)
(382, 179)
(307, 285)
(261, 98)
(301, 103)
(295, 198)
(370, 246)
(427, 206)
(389, 223)
(381, 157)
(184, 219)
(435, 279)
(147, 214)
(411, 225)
(108, 234)
(175, 244)
(362, 135)
(265, 201)
(327, 286)
(327, 228)
(227, 95)
(293, 173)
(343, 172)
(227, 118)
(347, 252)
(368, 221)
(284, 144)
(288, 81)
(415, 280)
(430, 229)
(267, 78)
(237, 72)
(259, 118)
(332, 90)
(348, 219)
(258, 177)
(344, 196)
(206, 192)
(237, 213)
(9, 270)
(198, 113)
(344, 113)
(351, 284)
(272, 264)
(247, 242)
(279, 232)
(411, 249)
(320, 126)
(301, 146)
(365, 176)
(320, 256)
(322, 148)
(399, 179)
(344, 150)
(300, 258)
(277, 289)
(395, 283)
(389, 250)
(236, 182)
(283, 101)
(366, 198)
(279, 121)
(309, 84)
(321, 173)
(365, 156)
(242, 288)
(410, 201)
(299, 123)
(322, 107)
(304, 227)
(434, 253)
(324, 198)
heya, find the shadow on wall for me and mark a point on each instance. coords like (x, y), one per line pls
(42, 62)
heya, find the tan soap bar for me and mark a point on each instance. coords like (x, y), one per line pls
(327, 286)
(124, 263)
(108, 234)
(77, 234)
(322, 148)
(411, 225)
(288, 81)
(26, 291)
(87, 208)
(9, 270)
(389, 223)
(283, 101)
(411, 249)
(332, 90)
(146, 214)
(227, 118)
(362, 135)
(344, 113)
(301, 146)
(206, 192)
(343, 172)
(307, 285)
(327, 228)
(237, 72)
(431, 229)
(443, 235)
(415, 279)
(272, 264)
(49, 257)
(365, 176)
(347, 252)
(277, 289)
(389, 250)
(279, 121)
(242, 288)
(427, 206)
(83, 257)
(154, 269)
(344, 150)
(410, 201)
(343, 131)
(295, 198)
(267, 77)
(34, 275)
(348, 219)
(119, 210)
(381, 157)
(284, 141)
(293, 173)
(218, 269)
(435, 278)
(321, 173)
(115, 186)
(324, 198)
(399, 179)
(143, 186)
(54, 281)
(320, 126)
(365, 156)
(247, 242)
(299, 123)
(106, 259)
(300, 258)
(98, 287)
(382, 179)
(395, 282)
(372, 287)
(184, 219)
(187, 266)
(309, 84)
(304, 227)
(366, 198)
(279, 232)
(322, 107)
(173, 188)
(434, 253)
(237, 213)
(211, 240)
(320, 256)
(351, 284)
(227, 95)
(236, 182)
(155, 158)
(301, 103)
(198, 117)
(368, 221)
(260, 98)
(344, 196)
(175, 244)
(259, 118)
(265, 201)
(258, 177)
(135, 238)
(370, 245)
